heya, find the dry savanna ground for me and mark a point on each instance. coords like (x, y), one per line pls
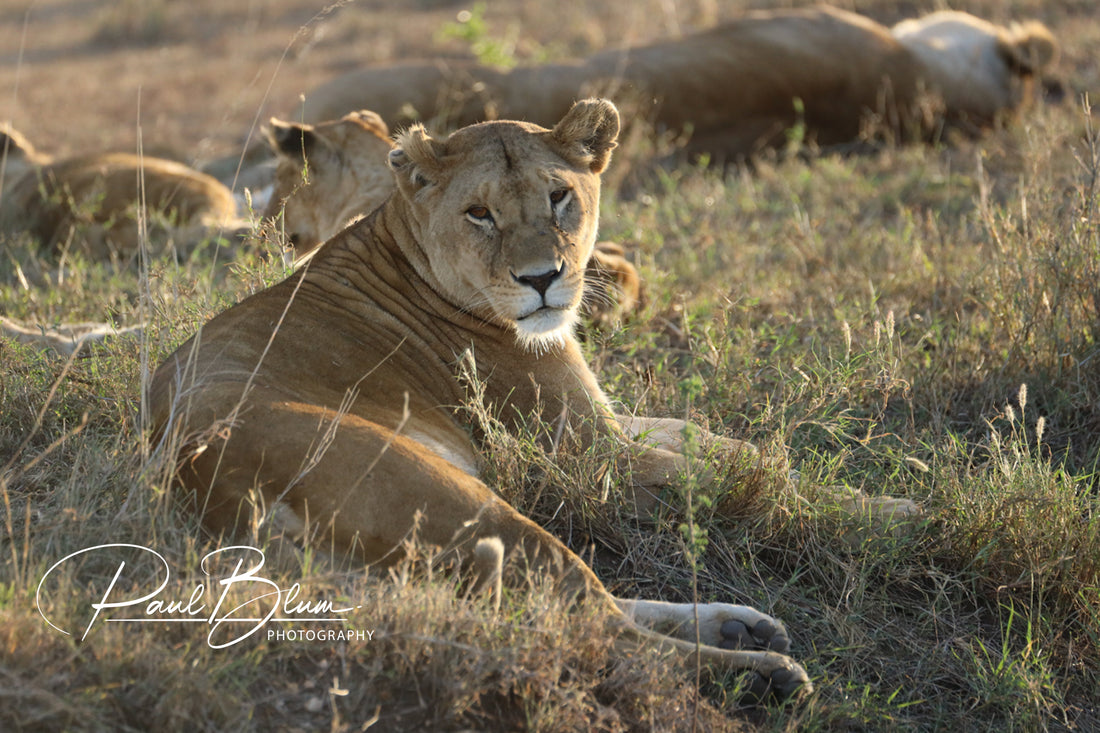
(923, 321)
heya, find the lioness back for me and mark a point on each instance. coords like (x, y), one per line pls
(92, 202)
(740, 86)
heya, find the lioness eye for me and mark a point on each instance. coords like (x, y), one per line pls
(558, 196)
(480, 213)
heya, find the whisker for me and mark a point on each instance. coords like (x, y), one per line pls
(597, 291)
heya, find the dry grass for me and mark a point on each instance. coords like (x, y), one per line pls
(869, 319)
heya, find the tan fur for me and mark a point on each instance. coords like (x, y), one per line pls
(977, 80)
(91, 203)
(327, 175)
(330, 404)
(734, 86)
(17, 155)
(331, 174)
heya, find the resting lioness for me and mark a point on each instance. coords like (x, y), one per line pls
(92, 203)
(740, 86)
(329, 406)
(333, 173)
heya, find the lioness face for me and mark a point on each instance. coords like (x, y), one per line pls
(506, 214)
(327, 175)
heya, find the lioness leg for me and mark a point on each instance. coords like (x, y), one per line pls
(354, 483)
(668, 433)
(67, 337)
(663, 462)
(876, 514)
(723, 625)
(374, 485)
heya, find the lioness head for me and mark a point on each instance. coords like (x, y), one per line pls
(979, 68)
(326, 172)
(506, 214)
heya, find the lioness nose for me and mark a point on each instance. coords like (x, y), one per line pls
(541, 283)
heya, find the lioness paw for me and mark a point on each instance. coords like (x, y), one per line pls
(876, 516)
(721, 625)
(789, 681)
(727, 626)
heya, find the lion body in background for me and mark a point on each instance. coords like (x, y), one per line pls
(92, 203)
(739, 87)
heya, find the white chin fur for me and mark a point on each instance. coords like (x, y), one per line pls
(545, 329)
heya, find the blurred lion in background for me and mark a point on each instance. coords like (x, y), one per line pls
(738, 88)
(93, 203)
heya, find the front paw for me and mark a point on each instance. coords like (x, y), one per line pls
(727, 626)
(867, 517)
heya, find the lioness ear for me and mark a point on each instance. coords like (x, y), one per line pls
(587, 133)
(369, 120)
(415, 159)
(9, 146)
(1027, 47)
(14, 144)
(290, 139)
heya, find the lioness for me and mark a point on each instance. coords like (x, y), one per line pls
(740, 86)
(91, 203)
(333, 173)
(329, 404)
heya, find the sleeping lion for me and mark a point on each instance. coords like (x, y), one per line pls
(91, 203)
(328, 407)
(739, 87)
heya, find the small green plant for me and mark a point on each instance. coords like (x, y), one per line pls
(694, 500)
(470, 26)
(1014, 680)
(796, 133)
